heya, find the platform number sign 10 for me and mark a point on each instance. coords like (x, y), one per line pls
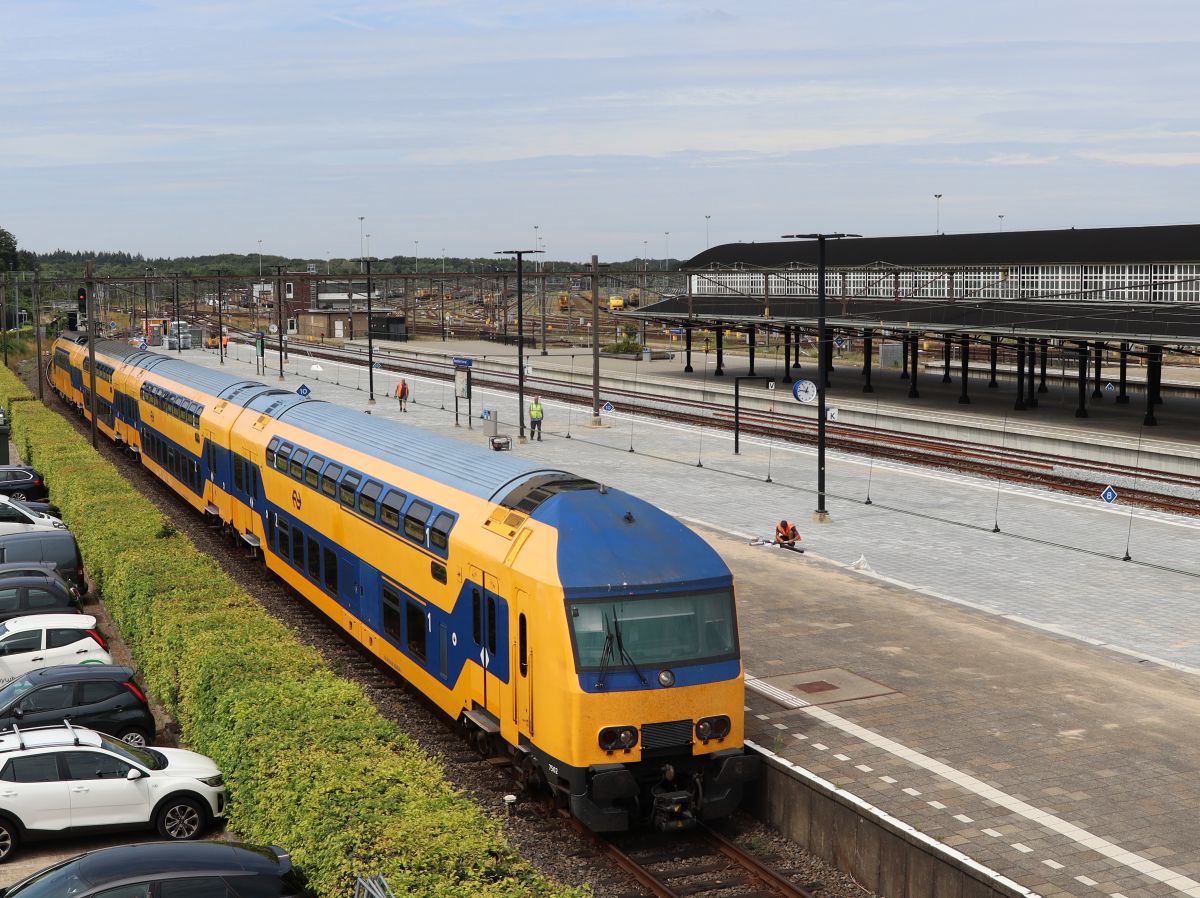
(303, 390)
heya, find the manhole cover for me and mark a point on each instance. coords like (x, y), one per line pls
(814, 686)
(827, 686)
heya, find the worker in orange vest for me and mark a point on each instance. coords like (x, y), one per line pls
(786, 535)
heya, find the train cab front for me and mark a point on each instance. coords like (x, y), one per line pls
(661, 695)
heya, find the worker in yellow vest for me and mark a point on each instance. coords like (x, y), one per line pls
(536, 414)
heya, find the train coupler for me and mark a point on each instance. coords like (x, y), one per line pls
(673, 811)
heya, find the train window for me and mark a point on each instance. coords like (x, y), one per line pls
(281, 457)
(391, 614)
(283, 547)
(414, 521)
(238, 477)
(491, 624)
(349, 487)
(314, 559)
(212, 455)
(298, 548)
(439, 530)
(523, 646)
(390, 509)
(367, 496)
(438, 570)
(476, 617)
(329, 480)
(312, 472)
(271, 519)
(414, 620)
(330, 559)
(271, 447)
(299, 459)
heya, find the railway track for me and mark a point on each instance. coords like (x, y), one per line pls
(1150, 489)
(700, 863)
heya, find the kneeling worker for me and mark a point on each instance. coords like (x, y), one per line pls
(786, 535)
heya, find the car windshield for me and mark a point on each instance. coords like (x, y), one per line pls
(653, 630)
(59, 881)
(14, 690)
(145, 757)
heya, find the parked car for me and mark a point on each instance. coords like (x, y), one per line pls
(44, 640)
(103, 697)
(22, 482)
(44, 507)
(22, 596)
(16, 517)
(197, 869)
(56, 546)
(47, 570)
(61, 779)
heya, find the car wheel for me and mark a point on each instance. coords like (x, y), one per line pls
(135, 737)
(8, 840)
(19, 495)
(180, 819)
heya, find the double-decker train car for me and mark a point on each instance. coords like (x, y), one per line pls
(581, 631)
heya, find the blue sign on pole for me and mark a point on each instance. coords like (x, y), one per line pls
(1108, 388)
(460, 362)
(839, 341)
(143, 345)
(607, 407)
(303, 390)
(376, 366)
(1109, 495)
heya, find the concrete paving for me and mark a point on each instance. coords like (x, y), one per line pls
(1033, 692)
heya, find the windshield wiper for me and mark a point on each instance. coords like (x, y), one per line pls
(621, 647)
(606, 655)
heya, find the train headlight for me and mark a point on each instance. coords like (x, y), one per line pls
(666, 678)
(712, 728)
(613, 738)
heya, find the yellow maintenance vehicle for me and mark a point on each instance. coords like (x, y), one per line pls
(616, 303)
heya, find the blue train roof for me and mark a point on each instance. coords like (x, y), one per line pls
(479, 472)
(620, 543)
(215, 383)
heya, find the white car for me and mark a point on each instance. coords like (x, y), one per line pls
(16, 517)
(42, 640)
(61, 779)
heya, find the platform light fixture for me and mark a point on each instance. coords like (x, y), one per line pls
(520, 254)
(938, 228)
(821, 515)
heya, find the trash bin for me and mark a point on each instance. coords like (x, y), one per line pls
(491, 423)
(5, 433)
(645, 353)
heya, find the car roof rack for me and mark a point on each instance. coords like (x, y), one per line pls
(71, 730)
(20, 738)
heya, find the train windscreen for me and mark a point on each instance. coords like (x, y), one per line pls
(655, 631)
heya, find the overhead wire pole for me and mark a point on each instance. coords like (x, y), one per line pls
(520, 254)
(370, 342)
(595, 341)
(279, 313)
(821, 515)
(89, 309)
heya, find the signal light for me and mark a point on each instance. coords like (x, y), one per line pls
(82, 299)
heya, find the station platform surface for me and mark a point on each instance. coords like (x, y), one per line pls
(1025, 696)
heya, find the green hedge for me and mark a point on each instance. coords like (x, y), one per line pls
(309, 762)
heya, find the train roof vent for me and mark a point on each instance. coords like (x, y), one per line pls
(536, 490)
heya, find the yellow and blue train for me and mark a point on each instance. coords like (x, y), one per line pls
(579, 630)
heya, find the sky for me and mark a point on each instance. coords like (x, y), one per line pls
(622, 129)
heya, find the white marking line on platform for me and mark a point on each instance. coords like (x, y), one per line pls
(936, 804)
(991, 832)
(1080, 836)
(1053, 865)
(888, 780)
(963, 818)
(911, 791)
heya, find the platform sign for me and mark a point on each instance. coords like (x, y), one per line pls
(303, 391)
(839, 341)
(376, 365)
(113, 325)
(607, 407)
(143, 345)
(461, 362)
(1109, 388)
(1109, 495)
(770, 385)
(831, 414)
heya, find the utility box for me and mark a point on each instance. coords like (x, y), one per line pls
(491, 422)
(5, 435)
(891, 355)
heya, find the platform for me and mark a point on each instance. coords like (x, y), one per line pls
(1025, 696)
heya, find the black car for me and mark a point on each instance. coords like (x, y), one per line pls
(169, 870)
(20, 596)
(104, 697)
(45, 570)
(22, 482)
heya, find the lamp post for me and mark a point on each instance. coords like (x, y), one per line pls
(938, 229)
(1001, 217)
(707, 242)
(443, 260)
(260, 261)
(645, 255)
(416, 244)
(176, 325)
(536, 246)
(370, 340)
(667, 251)
(361, 252)
(821, 515)
(368, 251)
(220, 324)
(520, 254)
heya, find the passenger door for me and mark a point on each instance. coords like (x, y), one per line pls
(32, 789)
(21, 653)
(486, 627)
(45, 706)
(99, 792)
(72, 646)
(522, 667)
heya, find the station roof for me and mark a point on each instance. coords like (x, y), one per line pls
(1168, 243)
